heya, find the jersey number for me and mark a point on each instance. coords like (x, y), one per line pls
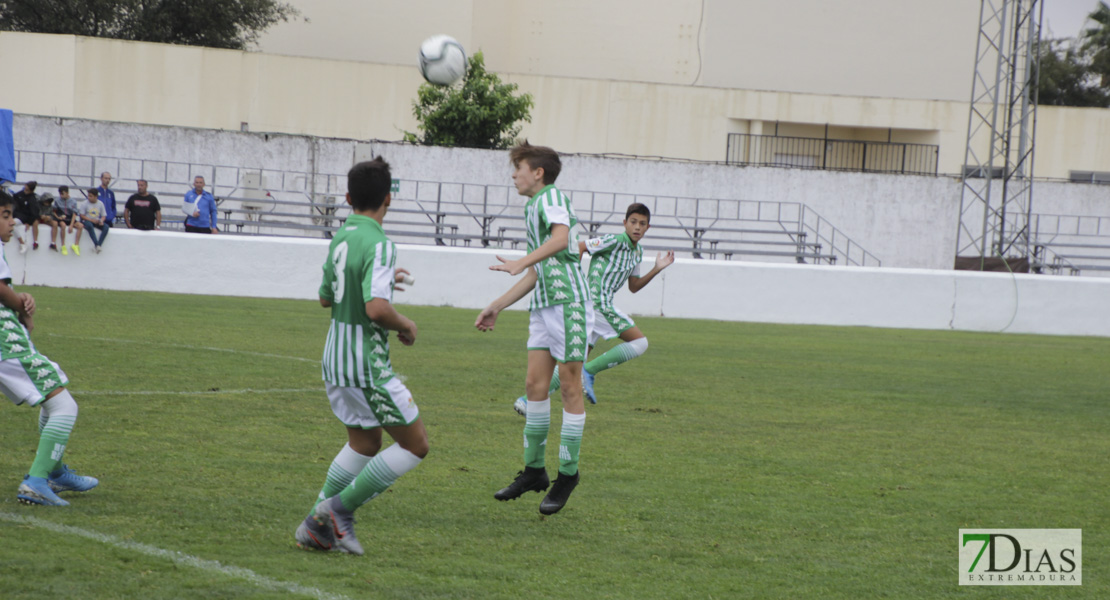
(339, 263)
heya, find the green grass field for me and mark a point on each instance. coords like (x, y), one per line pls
(733, 460)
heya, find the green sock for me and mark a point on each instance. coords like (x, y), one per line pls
(378, 475)
(536, 425)
(554, 387)
(373, 480)
(621, 353)
(343, 470)
(52, 444)
(570, 442)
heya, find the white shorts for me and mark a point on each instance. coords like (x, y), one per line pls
(609, 322)
(389, 405)
(30, 378)
(563, 330)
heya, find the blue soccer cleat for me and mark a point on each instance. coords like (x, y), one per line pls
(520, 405)
(36, 490)
(65, 480)
(588, 386)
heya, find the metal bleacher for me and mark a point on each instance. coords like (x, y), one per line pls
(302, 204)
(1070, 244)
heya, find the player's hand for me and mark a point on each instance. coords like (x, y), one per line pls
(28, 304)
(512, 267)
(408, 336)
(486, 319)
(664, 260)
(196, 213)
(399, 277)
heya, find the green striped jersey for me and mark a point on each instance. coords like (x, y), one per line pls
(559, 278)
(15, 342)
(360, 267)
(613, 259)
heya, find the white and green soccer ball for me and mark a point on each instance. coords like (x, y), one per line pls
(442, 60)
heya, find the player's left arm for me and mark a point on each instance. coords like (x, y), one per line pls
(22, 303)
(662, 261)
(399, 277)
(380, 311)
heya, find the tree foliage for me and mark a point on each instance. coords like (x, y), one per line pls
(1096, 43)
(483, 112)
(1065, 77)
(234, 24)
(1077, 72)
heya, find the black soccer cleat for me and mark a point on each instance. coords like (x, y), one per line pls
(557, 498)
(531, 479)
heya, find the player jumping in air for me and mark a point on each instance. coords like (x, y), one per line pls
(27, 377)
(614, 259)
(561, 319)
(359, 279)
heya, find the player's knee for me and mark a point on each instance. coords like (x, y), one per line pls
(418, 448)
(60, 402)
(639, 345)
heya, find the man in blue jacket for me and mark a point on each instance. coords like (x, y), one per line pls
(201, 208)
(108, 198)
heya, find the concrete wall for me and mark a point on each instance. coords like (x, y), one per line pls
(898, 298)
(906, 221)
(99, 79)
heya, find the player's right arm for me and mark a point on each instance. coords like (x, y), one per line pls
(488, 317)
(327, 289)
(554, 245)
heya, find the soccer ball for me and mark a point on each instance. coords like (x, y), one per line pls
(442, 60)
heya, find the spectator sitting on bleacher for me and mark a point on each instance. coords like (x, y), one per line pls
(26, 211)
(65, 213)
(94, 218)
(46, 217)
(142, 210)
(201, 208)
(107, 198)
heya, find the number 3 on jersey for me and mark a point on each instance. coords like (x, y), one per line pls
(339, 263)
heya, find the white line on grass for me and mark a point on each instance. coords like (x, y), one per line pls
(177, 557)
(201, 393)
(186, 346)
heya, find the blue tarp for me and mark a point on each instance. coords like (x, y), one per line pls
(7, 146)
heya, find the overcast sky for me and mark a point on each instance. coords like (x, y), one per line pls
(1064, 18)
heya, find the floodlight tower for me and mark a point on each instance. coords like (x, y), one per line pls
(997, 181)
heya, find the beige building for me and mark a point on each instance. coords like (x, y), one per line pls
(650, 78)
(880, 48)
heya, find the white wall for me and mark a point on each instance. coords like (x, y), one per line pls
(720, 290)
(906, 221)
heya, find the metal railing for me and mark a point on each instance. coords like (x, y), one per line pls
(834, 155)
(303, 204)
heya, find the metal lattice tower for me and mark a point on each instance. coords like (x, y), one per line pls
(997, 181)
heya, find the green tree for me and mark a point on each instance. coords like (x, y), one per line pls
(1096, 43)
(1065, 77)
(480, 113)
(234, 24)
